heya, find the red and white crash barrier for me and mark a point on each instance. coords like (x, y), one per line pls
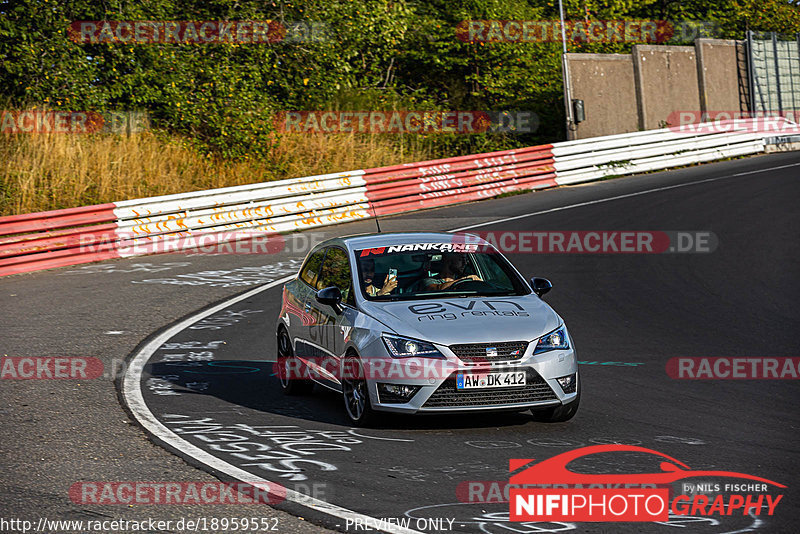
(629, 153)
(441, 182)
(185, 221)
(173, 223)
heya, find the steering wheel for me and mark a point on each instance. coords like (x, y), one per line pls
(461, 282)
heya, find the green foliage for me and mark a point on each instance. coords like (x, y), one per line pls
(375, 54)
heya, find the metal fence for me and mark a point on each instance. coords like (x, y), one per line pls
(774, 73)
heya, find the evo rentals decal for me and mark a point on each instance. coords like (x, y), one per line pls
(450, 311)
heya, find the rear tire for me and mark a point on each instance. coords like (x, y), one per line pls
(355, 392)
(559, 414)
(292, 374)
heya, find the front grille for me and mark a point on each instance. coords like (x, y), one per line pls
(476, 352)
(446, 395)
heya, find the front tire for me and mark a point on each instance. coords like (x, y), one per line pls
(355, 392)
(559, 414)
(292, 374)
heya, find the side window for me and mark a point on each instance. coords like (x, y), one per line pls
(310, 270)
(336, 272)
(490, 269)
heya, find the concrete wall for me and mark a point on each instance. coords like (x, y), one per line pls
(666, 82)
(649, 87)
(606, 84)
(717, 68)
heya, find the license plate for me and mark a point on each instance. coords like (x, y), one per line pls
(490, 380)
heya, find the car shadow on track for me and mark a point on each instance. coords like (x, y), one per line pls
(253, 385)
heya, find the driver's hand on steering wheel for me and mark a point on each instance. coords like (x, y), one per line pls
(467, 278)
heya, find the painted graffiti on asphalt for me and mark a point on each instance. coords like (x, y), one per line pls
(193, 353)
(571, 443)
(222, 319)
(124, 268)
(288, 451)
(450, 472)
(239, 277)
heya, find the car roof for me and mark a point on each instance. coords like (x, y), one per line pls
(362, 241)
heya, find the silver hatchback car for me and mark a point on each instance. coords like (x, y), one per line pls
(424, 323)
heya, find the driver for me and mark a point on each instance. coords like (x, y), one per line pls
(453, 267)
(389, 283)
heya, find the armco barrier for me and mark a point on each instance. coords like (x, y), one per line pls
(579, 161)
(176, 222)
(448, 181)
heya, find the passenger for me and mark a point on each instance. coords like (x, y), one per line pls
(389, 283)
(453, 267)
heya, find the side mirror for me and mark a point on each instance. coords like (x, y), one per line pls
(331, 296)
(541, 285)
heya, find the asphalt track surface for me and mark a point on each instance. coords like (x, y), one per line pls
(628, 314)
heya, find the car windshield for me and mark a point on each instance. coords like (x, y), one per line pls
(431, 270)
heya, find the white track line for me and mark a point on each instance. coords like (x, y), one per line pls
(132, 392)
(601, 200)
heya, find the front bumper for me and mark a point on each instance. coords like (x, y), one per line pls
(437, 391)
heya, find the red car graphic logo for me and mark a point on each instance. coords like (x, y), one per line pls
(554, 470)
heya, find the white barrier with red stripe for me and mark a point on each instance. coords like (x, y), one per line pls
(589, 159)
(172, 223)
(240, 212)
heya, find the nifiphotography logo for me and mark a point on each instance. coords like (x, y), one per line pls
(548, 491)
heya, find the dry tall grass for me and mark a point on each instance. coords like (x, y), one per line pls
(41, 172)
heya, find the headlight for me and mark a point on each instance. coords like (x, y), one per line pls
(404, 347)
(555, 340)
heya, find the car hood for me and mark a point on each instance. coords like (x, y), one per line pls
(467, 320)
